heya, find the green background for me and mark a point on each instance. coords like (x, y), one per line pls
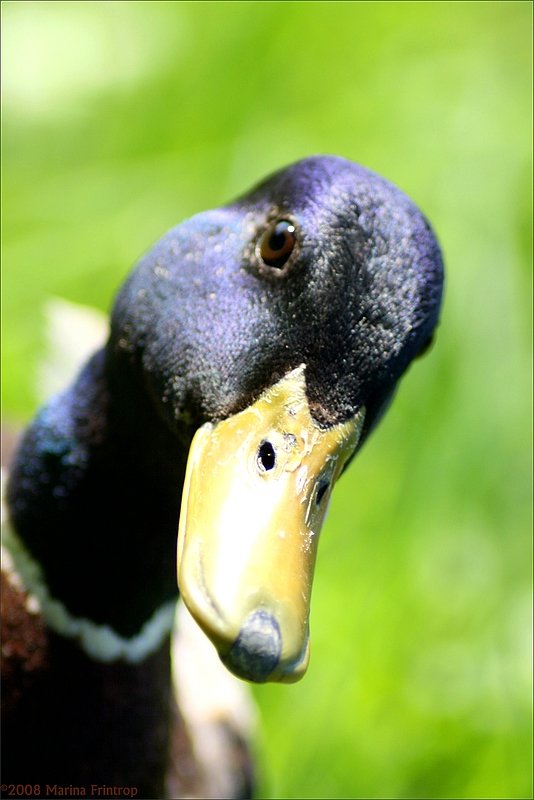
(119, 120)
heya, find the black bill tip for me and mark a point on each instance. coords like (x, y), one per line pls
(256, 651)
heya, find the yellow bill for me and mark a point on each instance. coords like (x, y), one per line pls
(255, 495)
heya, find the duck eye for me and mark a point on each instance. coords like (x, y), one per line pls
(277, 243)
(266, 457)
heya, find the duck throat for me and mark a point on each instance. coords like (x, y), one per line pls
(94, 508)
(99, 641)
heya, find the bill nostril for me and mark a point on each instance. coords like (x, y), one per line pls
(257, 650)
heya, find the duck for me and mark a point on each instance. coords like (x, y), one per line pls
(251, 353)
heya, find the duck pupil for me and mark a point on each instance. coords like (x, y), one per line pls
(266, 456)
(278, 240)
(321, 492)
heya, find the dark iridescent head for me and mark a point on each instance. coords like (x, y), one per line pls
(324, 264)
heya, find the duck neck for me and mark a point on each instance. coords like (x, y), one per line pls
(94, 496)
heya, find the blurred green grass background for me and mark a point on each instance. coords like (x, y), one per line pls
(121, 119)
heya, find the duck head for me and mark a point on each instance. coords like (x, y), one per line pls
(277, 328)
